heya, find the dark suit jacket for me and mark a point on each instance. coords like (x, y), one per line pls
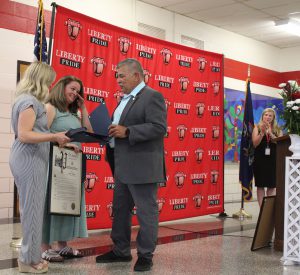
(139, 158)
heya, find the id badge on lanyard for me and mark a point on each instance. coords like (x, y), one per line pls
(268, 149)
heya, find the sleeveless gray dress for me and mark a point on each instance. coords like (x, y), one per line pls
(29, 166)
(64, 228)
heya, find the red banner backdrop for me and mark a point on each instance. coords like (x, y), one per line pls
(191, 82)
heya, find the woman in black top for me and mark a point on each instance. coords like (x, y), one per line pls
(264, 166)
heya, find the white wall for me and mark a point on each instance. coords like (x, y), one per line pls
(14, 46)
(232, 45)
(290, 59)
(126, 14)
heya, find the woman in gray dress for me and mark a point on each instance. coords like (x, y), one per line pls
(29, 160)
(63, 105)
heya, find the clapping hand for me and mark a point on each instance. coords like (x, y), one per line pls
(264, 127)
(267, 129)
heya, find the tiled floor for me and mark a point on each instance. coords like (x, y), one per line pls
(203, 245)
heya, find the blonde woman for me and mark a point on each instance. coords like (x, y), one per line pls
(29, 160)
(264, 166)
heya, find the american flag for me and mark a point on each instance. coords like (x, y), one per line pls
(40, 42)
(247, 149)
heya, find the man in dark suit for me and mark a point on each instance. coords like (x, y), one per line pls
(136, 155)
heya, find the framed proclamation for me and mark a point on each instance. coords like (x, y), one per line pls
(65, 181)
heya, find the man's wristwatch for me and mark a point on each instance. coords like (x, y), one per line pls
(127, 132)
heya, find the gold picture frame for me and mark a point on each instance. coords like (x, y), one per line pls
(265, 225)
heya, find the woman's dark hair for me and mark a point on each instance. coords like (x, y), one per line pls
(57, 94)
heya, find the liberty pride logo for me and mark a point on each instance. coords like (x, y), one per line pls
(73, 27)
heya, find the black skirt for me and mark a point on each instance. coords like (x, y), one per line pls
(264, 166)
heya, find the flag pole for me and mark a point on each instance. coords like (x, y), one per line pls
(242, 214)
(54, 5)
(223, 214)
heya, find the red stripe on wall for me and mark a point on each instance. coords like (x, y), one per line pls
(22, 18)
(295, 75)
(259, 75)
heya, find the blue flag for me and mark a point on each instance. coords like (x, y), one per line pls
(247, 149)
(40, 42)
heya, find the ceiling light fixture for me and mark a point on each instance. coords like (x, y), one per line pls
(289, 25)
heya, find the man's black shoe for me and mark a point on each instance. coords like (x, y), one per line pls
(111, 257)
(143, 264)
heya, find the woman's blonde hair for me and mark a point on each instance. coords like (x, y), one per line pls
(57, 97)
(36, 81)
(275, 128)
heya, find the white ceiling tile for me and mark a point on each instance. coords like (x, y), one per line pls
(283, 11)
(250, 18)
(262, 4)
(225, 11)
(196, 5)
(244, 20)
(162, 3)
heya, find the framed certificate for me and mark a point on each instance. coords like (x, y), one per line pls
(65, 181)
